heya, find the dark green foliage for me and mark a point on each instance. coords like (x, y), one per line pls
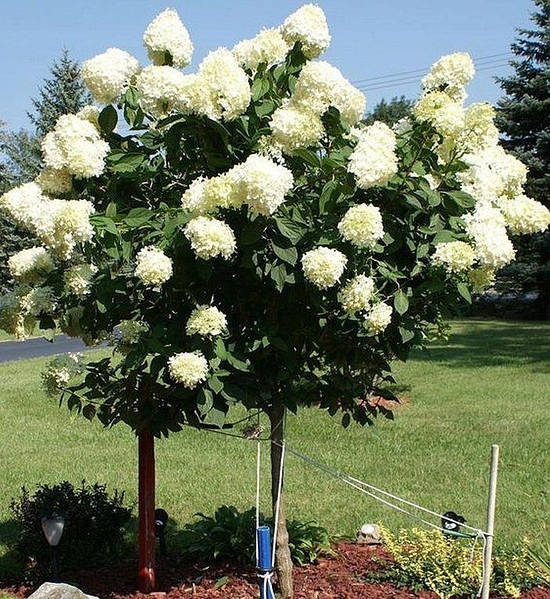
(390, 112)
(62, 93)
(94, 525)
(231, 534)
(523, 115)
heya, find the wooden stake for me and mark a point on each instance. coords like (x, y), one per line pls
(146, 492)
(488, 553)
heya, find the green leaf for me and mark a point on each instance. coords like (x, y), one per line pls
(219, 349)
(216, 417)
(289, 228)
(108, 119)
(215, 384)
(401, 302)
(221, 582)
(406, 334)
(126, 162)
(289, 255)
(205, 400)
(278, 274)
(464, 292)
(102, 222)
(326, 196)
(138, 216)
(308, 156)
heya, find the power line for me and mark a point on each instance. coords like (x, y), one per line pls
(411, 80)
(426, 69)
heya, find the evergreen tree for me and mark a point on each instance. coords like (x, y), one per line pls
(64, 92)
(524, 118)
(390, 112)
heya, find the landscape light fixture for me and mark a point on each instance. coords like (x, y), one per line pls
(161, 519)
(52, 527)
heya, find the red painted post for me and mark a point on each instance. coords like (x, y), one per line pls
(146, 449)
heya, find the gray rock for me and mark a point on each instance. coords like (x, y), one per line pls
(368, 534)
(57, 590)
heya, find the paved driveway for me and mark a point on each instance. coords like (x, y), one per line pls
(34, 348)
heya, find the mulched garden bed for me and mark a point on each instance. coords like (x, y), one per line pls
(332, 578)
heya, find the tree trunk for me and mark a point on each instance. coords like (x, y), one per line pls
(146, 492)
(282, 553)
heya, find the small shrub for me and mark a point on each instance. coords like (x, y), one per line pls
(231, 534)
(94, 525)
(448, 567)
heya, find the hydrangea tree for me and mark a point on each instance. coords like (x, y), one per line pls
(239, 239)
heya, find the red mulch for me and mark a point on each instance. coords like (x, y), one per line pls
(334, 578)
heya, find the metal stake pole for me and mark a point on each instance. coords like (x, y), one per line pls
(487, 554)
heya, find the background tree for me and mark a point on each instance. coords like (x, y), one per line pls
(63, 92)
(390, 112)
(523, 115)
(246, 241)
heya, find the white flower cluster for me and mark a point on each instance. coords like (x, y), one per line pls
(451, 73)
(128, 333)
(293, 127)
(61, 225)
(323, 266)
(378, 318)
(21, 202)
(308, 25)
(524, 215)
(480, 130)
(166, 34)
(60, 371)
(362, 225)
(373, 161)
(487, 228)
(206, 321)
(20, 309)
(188, 368)
(31, 265)
(455, 256)
(268, 47)
(78, 279)
(153, 267)
(109, 74)
(210, 237)
(356, 294)
(444, 113)
(258, 182)
(161, 89)
(74, 144)
(55, 181)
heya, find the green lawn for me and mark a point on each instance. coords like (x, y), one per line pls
(489, 384)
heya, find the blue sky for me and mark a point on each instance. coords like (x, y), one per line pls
(371, 38)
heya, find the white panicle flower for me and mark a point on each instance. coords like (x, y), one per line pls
(188, 368)
(524, 215)
(108, 75)
(262, 184)
(166, 34)
(451, 73)
(227, 83)
(89, 113)
(493, 175)
(480, 131)
(63, 224)
(161, 88)
(78, 279)
(153, 267)
(60, 371)
(481, 278)
(323, 266)
(210, 237)
(362, 225)
(373, 161)
(295, 127)
(356, 294)
(128, 333)
(445, 115)
(55, 181)
(308, 25)
(268, 48)
(455, 256)
(378, 318)
(321, 85)
(20, 309)
(30, 266)
(206, 321)
(204, 196)
(487, 228)
(75, 145)
(20, 202)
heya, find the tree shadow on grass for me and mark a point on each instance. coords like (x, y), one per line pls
(491, 343)
(11, 568)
